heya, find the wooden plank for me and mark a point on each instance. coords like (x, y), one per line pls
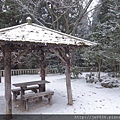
(27, 88)
(7, 65)
(27, 97)
(30, 83)
(17, 91)
(32, 95)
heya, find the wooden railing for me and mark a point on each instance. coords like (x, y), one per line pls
(88, 69)
(37, 71)
(21, 71)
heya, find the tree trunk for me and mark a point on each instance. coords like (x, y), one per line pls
(99, 68)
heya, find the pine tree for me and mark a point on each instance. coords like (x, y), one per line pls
(106, 33)
(9, 13)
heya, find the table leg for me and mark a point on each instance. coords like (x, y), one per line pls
(42, 88)
(22, 92)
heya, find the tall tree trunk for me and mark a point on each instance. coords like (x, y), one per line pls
(99, 68)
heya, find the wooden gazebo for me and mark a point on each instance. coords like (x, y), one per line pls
(30, 36)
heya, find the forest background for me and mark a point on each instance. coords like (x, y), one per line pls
(81, 18)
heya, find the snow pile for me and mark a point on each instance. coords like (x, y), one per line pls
(91, 78)
(107, 80)
(110, 83)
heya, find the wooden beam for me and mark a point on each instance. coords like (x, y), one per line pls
(57, 53)
(7, 67)
(39, 60)
(20, 54)
(68, 81)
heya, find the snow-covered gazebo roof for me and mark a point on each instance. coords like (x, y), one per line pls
(34, 33)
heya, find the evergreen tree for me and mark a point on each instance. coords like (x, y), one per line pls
(106, 33)
(10, 13)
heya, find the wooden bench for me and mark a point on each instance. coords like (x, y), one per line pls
(17, 91)
(27, 97)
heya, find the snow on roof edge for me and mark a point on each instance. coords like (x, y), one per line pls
(81, 41)
(77, 38)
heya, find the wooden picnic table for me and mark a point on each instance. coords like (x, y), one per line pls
(24, 85)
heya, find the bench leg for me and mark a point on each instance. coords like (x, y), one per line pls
(26, 102)
(40, 99)
(34, 90)
(49, 99)
(14, 96)
(22, 92)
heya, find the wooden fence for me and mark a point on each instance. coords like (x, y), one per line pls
(37, 71)
(21, 71)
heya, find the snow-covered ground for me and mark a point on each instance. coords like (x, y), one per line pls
(87, 98)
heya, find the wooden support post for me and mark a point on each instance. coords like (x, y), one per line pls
(42, 69)
(1, 60)
(7, 65)
(68, 82)
(0, 75)
(66, 59)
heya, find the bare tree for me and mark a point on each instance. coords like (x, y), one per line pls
(60, 15)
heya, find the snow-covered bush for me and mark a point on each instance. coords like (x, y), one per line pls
(75, 72)
(110, 83)
(91, 78)
(112, 74)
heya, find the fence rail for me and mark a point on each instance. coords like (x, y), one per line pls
(21, 71)
(37, 71)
